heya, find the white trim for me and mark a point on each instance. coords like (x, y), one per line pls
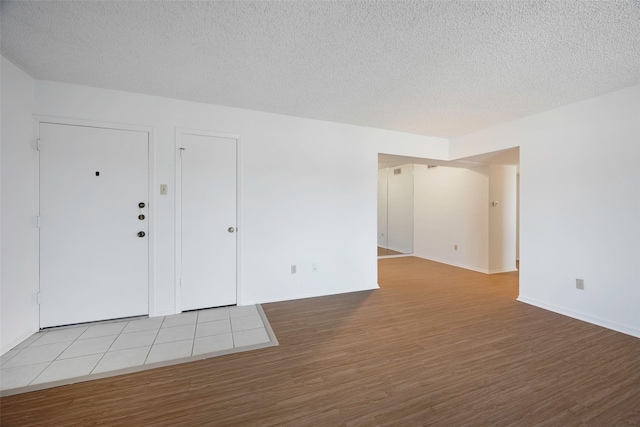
(634, 332)
(177, 224)
(178, 210)
(36, 204)
(151, 156)
(152, 223)
(502, 270)
(394, 256)
(310, 295)
(13, 343)
(239, 230)
(466, 267)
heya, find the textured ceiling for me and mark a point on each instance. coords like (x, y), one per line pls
(440, 68)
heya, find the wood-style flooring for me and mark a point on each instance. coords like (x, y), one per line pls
(386, 252)
(435, 345)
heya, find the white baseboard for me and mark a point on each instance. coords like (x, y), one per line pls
(394, 256)
(468, 267)
(634, 332)
(504, 270)
(441, 261)
(11, 344)
(312, 295)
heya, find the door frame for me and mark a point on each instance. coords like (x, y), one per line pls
(151, 155)
(178, 209)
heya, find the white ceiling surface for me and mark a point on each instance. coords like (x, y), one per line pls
(439, 68)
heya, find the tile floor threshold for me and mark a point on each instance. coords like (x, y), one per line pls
(68, 355)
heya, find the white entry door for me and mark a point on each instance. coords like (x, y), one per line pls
(208, 221)
(94, 224)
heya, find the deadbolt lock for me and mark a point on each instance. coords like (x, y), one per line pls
(141, 217)
(141, 205)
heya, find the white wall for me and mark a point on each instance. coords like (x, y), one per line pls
(295, 209)
(382, 208)
(19, 259)
(518, 216)
(308, 192)
(580, 199)
(400, 209)
(451, 209)
(579, 206)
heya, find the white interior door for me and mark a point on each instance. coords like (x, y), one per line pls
(208, 221)
(93, 264)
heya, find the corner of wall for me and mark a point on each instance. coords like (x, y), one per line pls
(19, 263)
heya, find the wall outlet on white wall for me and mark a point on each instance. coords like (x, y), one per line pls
(455, 247)
(294, 269)
(580, 284)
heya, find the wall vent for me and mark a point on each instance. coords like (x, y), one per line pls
(431, 166)
(397, 171)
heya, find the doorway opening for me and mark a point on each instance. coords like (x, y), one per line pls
(463, 213)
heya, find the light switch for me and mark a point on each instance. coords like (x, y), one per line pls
(163, 189)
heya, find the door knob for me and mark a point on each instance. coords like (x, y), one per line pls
(231, 230)
(141, 234)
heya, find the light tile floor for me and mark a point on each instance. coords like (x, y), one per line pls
(85, 352)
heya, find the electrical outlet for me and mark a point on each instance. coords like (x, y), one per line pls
(455, 247)
(163, 189)
(580, 284)
(293, 269)
(314, 268)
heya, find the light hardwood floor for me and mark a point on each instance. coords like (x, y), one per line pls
(436, 345)
(387, 252)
